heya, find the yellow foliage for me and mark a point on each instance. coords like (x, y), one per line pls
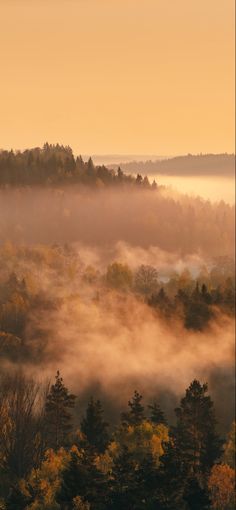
(45, 481)
(104, 462)
(79, 504)
(142, 439)
(229, 447)
(221, 485)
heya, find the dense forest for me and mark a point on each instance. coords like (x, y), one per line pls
(174, 223)
(221, 165)
(56, 165)
(38, 279)
(121, 289)
(59, 308)
(49, 462)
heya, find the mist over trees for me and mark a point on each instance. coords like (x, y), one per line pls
(140, 217)
(114, 295)
(32, 279)
(221, 165)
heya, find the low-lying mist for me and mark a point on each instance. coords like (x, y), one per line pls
(115, 344)
(171, 222)
(107, 342)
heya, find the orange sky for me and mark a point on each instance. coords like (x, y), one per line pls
(118, 76)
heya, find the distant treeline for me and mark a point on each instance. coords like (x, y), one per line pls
(222, 165)
(56, 164)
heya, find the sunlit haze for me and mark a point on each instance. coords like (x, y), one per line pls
(118, 76)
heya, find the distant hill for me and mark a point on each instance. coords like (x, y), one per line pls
(189, 165)
(56, 165)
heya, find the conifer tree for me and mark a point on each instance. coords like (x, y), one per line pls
(148, 483)
(172, 474)
(157, 416)
(195, 432)
(136, 414)
(82, 478)
(124, 487)
(58, 407)
(94, 427)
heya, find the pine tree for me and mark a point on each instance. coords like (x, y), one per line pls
(136, 414)
(157, 416)
(82, 478)
(124, 485)
(73, 480)
(59, 402)
(94, 427)
(195, 433)
(172, 475)
(148, 483)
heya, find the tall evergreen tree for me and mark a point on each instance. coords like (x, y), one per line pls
(59, 403)
(148, 483)
(172, 476)
(94, 427)
(136, 414)
(124, 485)
(195, 432)
(82, 478)
(157, 416)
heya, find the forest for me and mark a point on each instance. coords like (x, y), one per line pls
(117, 303)
(189, 165)
(56, 165)
(80, 449)
(143, 463)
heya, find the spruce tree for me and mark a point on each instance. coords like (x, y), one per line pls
(82, 478)
(148, 483)
(195, 432)
(94, 427)
(193, 448)
(172, 475)
(124, 482)
(157, 416)
(136, 414)
(59, 403)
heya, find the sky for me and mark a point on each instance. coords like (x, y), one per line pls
(118, 76)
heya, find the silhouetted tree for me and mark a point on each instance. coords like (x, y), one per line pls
(136, 413)
(82, 478)
(195, 431)
(94, 427)
(124, 486)
(146, 279)
(157, 416)
(58, 413)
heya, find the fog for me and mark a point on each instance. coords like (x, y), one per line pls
(164, 219)
(105, 342)
(210, 188)
(117, 344)
(108, 342)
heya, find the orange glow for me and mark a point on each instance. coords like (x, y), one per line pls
(126, 76)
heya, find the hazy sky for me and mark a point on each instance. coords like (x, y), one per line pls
(118, 76)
